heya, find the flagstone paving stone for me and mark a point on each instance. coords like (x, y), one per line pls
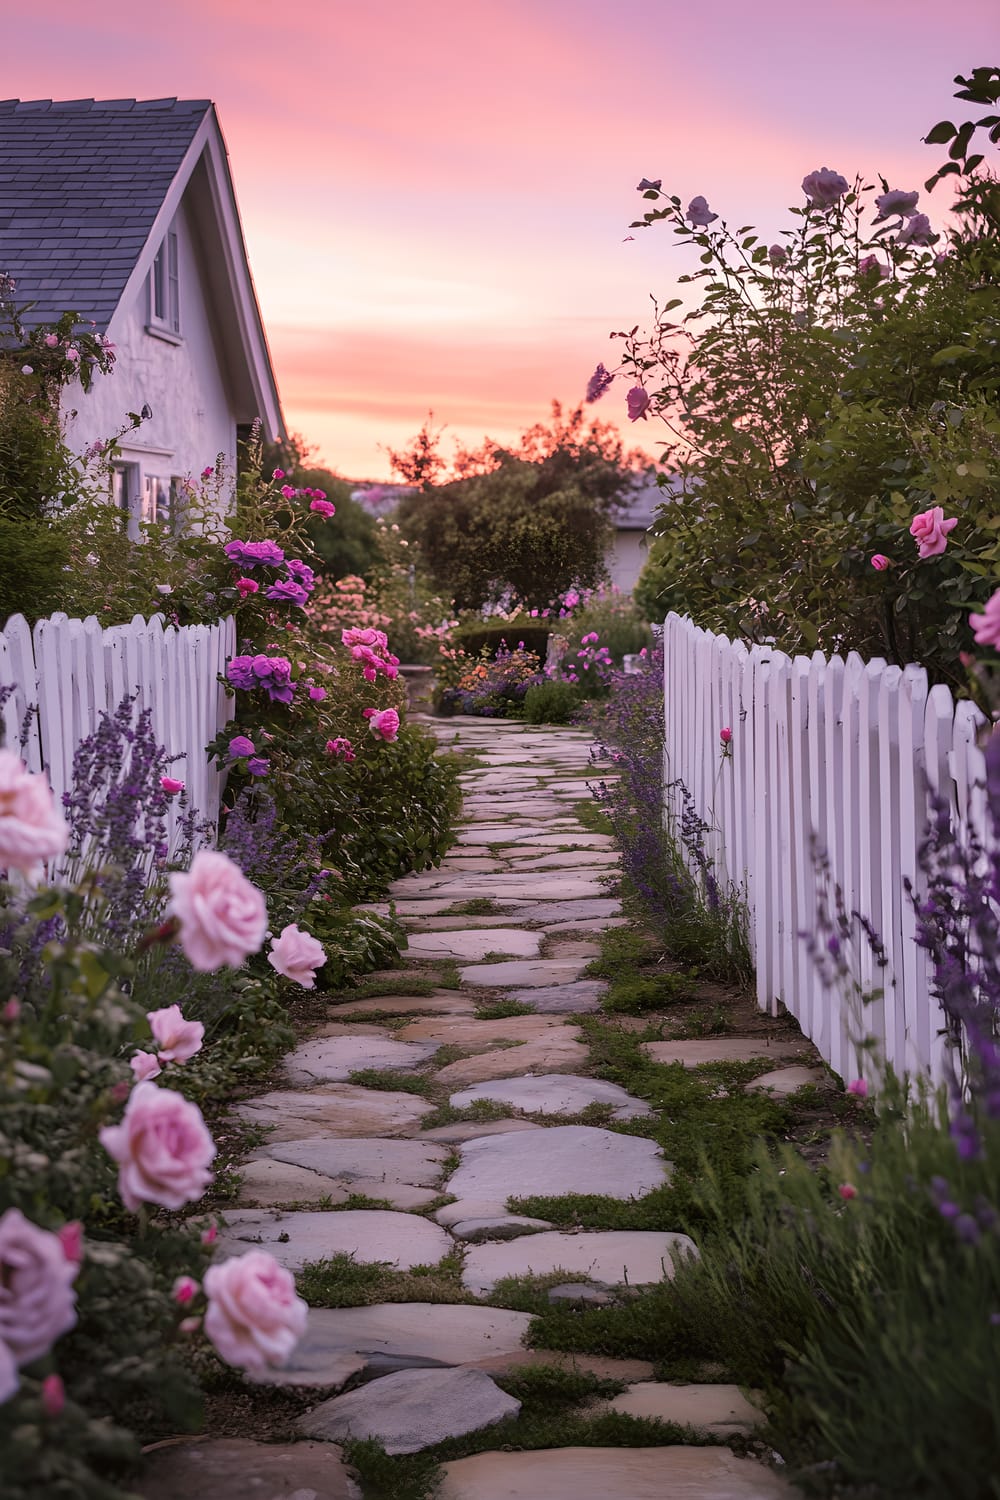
(467, 1130)
(577, 1159)
(337, 1109)
(594, 859)
(720, 1049)
(443, 1003)
(559, 1049)
(631, 1257)
(475, 944)
(554, 1094)
(785, 1081)
(236, 1468)
(418, 1332)
(267, 1184)
(413, 1409)
(417, 1163)
(579, 997)
(525, 972)
(585, 910)
(335, 1059)
(718, 1409)
(622, 1473)
(498, 1227)
(371, 1235)
(456, 1031)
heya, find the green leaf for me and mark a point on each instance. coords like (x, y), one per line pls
(941, 132)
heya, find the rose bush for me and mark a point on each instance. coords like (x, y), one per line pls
(820, 399)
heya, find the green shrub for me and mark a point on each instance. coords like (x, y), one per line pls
(552, 702)
(476, 636)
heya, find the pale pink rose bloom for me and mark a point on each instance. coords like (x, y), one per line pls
(222, 917)
(36, 1288)
(189, 1325)
(930, 531)
(145, 1065)
(32, 828)
(210, 1235)
(162, 1147)
(383, 721)
(297, 955)
(8, 1374)
(987, 625)
(356, 636)
(823, 187)
(916, 231)
(254, 1317)
(637, 402)
(178, 1040)
(896, 201)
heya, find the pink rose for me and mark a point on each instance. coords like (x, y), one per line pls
(51, 341)
(36, 1288)
(254, 1317)
(210, 1235)
(162, 1147)
(858, 1087)
(384, 721)
(145, 1065)
(177, 1039)
(880, 562)
(824, 187)
(222, 917)
(323, 507)
(32, 829)
(916, 231)
(296, 955)
(53, 1395)
(356, 636)
(637, 402)
(171, 785)
(726, 735)
(184, 1290)
(245, 586)
(847, 1191)
(896, 201)
(987, 625)
(930, 530)
(341, 747)
(70, 1237)
(699, 214)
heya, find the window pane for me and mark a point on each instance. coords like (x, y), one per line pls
(159, 286)
(173, 284)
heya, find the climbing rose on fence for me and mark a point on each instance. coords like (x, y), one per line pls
(162, 1147)
(37, 1301)
(32, 828)
(222, 917)
(930, 531)
(254, 1317)
(177, 1039)
(272, 673)
(383, 721)
(987, 625)
(297, 955)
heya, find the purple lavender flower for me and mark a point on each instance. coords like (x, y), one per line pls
(598, 383)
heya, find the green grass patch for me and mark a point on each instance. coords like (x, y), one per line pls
(477, 906)
(341, 1281)
(393, 1080)
(377, 989)
(500, 1010)
(590, 815)
(482, 1110)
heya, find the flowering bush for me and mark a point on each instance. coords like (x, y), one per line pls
(495, 685)
(830, 406)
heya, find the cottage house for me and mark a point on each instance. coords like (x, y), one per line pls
(632, 520)
(124, 212)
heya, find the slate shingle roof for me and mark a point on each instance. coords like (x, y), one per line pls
(81, 182)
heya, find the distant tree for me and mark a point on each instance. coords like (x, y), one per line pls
(534, 519)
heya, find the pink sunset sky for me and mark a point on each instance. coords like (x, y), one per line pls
(436, 193)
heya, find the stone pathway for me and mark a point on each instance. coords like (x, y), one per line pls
(511, 918)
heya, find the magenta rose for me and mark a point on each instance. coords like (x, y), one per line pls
(32, 829)
(162, 1147)
(987, 625)
(222, 917)
(296, 955)
(637, 402)
(930, 531)
(323, 508)
(254, 1317)
(178, 1040)
(384, 721)
(37, 1301)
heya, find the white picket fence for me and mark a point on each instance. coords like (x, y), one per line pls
(832, 753)
(75, 669)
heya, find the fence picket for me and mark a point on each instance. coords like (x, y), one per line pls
(830, 759)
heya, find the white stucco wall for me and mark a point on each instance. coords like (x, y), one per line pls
(625, 558)
(181, 380)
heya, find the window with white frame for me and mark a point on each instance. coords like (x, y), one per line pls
(164, 288)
